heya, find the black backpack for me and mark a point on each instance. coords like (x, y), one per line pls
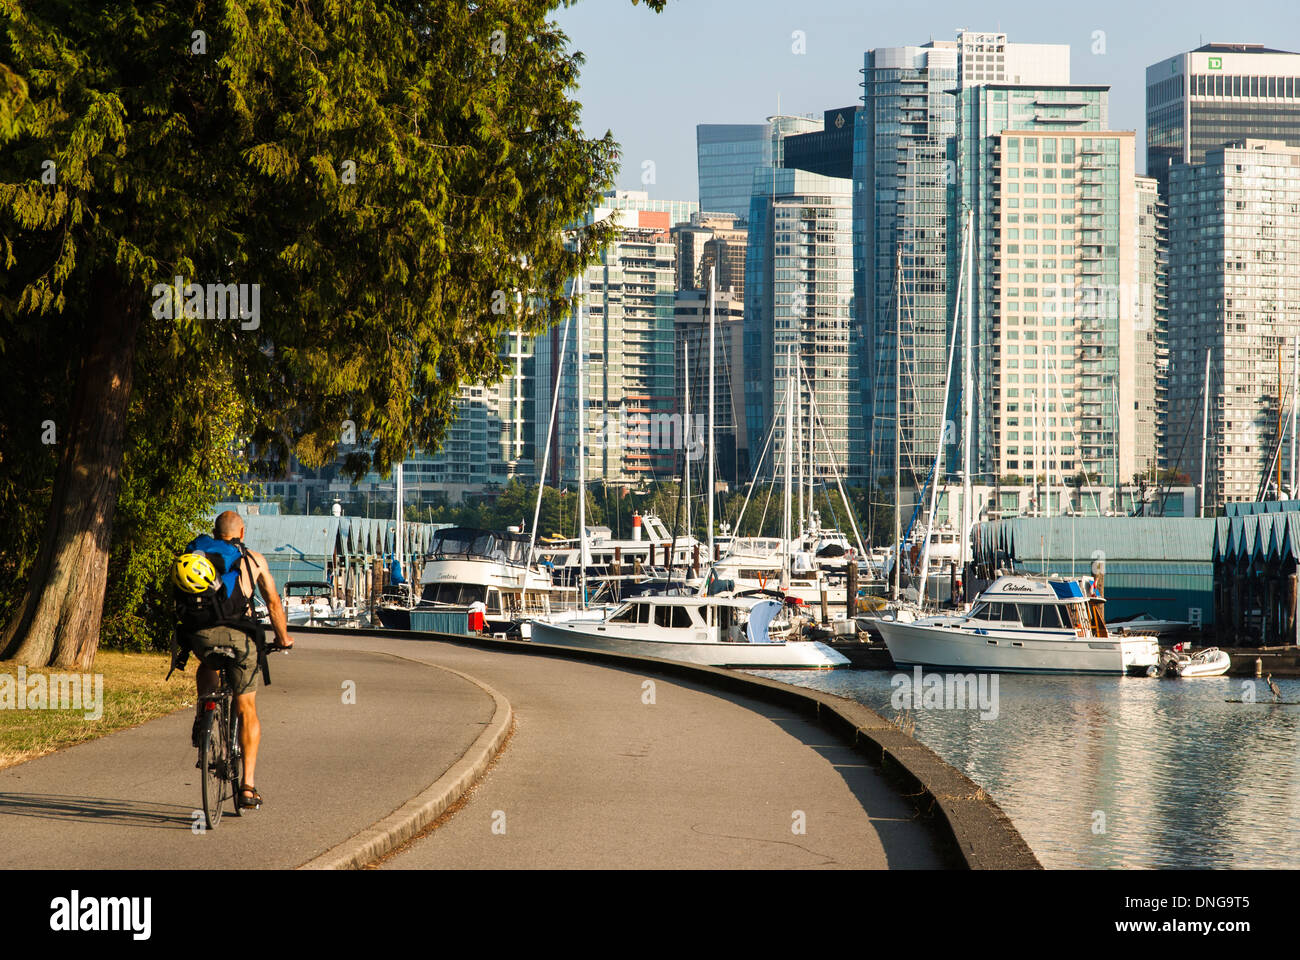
(222, 605)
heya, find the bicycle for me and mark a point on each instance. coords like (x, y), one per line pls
(221, 758)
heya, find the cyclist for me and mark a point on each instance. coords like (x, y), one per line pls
(252, 572)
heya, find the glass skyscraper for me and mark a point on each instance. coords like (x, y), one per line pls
(910, 143)
(727, 154)
(901, 173)
(798, 305)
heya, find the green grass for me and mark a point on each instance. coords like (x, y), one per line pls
(134, 693)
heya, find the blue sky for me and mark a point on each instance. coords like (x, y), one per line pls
(650, 78)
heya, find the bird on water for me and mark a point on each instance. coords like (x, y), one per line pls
(1277, 693)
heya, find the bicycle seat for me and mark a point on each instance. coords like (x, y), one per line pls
(221, 653)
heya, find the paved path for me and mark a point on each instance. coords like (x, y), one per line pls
(592, 777)
(327, 770)
(595, 777)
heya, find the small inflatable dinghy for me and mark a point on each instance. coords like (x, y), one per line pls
(1210, 662)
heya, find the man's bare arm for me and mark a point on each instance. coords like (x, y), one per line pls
(266, 584)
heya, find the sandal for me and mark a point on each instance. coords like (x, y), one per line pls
(249, 798)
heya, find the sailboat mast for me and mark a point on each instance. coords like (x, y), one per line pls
(967, 389)
(1047, 439)
(1280, 495)
(686, 433)
(807, 383)
(898, 418)
(1295, 386)
(798, 447)
(712, 325)
(1033, 445)
(582, 458)
(1114, 437)
(1205, 428)
(546, 459)
(397, 544)
(789, 471)
(943, 421)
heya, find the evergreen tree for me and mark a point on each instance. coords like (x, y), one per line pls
(381, 177)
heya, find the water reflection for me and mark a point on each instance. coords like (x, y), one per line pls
(1122, 771)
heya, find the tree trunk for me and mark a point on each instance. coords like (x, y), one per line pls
(57, 623)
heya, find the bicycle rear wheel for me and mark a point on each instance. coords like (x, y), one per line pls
(213, 763)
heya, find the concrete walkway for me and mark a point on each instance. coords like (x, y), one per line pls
(327, 770)
(594, 776)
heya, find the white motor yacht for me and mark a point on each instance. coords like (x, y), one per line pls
(1022, 625)
(466, 566)
(310, 603)
(712, 631)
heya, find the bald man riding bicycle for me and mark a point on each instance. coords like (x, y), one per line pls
(252, 572)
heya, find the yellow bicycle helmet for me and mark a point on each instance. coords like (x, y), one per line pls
(194, 573)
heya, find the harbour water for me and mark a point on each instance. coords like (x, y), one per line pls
(1105, 772)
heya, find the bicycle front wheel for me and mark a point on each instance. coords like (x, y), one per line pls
(213, 763)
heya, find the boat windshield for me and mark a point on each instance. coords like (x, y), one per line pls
(456, 594)
(632, 613)
(1042, 615)
(1003, 612)
(467, 542)
(668, 615)
(1053, 616)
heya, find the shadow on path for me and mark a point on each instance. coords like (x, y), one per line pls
(102, 810)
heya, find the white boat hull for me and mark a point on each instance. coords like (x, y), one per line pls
(793, 654)
(916, 644)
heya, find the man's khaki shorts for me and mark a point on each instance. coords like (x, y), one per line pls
(242, 671)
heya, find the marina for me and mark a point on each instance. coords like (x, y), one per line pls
(869, 440)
